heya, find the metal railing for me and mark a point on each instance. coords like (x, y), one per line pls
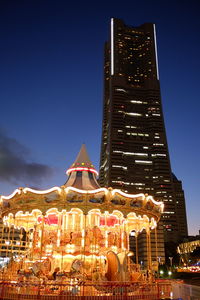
(185, 291)
(85, 290)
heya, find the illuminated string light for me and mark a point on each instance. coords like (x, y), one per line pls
(127, 195)
(86, 191)
(137, 196)
(81, 169)
(53, 189)
(17, 191)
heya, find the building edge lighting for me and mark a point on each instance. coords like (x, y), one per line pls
(112, 46)
(155, 43)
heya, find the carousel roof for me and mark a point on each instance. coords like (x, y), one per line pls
(82, 160)
(82, 174)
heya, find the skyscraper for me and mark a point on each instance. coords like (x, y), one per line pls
(134, 150)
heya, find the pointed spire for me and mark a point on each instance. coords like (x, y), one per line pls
(82, 174)
(82, 162)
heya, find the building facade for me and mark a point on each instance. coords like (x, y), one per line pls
(134, 150)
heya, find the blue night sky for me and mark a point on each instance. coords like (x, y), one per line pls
(51, 86)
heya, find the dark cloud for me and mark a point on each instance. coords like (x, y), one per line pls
(15, 164)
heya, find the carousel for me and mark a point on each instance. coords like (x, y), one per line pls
(76, 232)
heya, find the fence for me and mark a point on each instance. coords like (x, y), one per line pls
(85, 291)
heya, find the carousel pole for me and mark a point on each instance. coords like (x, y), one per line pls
(20, 242)
(120, 233)
(128, 238)
(27, 236)
(41, 248)
(2, 235)
(12, 241)
(62, 238)
(84, 279)
(8, 242)
(106, 231)
(123, 235)
(83, 236)
(33, 239)
(60, 245)
(147, 245)
(156, 241)
(41, 238)
(92, 264)
(136, 247)
(96, 243)
(59, 229)
(150, 258)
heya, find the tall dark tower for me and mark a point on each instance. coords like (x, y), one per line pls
(134, 150)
